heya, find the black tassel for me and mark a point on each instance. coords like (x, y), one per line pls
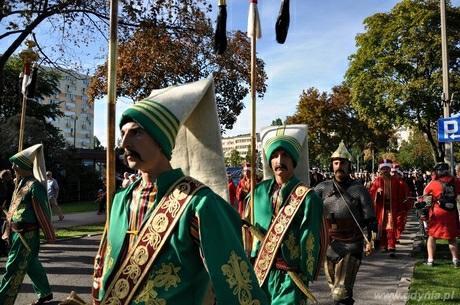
(282, 23)
(220, 37)
(33, 83)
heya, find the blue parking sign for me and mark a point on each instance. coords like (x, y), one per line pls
(449, 129)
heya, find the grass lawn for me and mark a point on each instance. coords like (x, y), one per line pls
(78, 231)
(435, 285)
(78, 207)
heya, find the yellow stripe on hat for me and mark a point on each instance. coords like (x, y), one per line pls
(288, 139)
(164, 120)
(26, 161)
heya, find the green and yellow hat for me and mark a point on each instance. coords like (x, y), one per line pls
(293, 139)
(183, 121)
(32, 159)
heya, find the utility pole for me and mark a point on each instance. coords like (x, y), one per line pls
(448, 146)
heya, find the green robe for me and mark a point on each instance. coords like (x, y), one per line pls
(33, 208)
(300, 247)
(183, 270)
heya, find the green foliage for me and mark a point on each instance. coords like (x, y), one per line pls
(80, 231)
(331, 118)
(416, 152)
(396, 74)
(234, 159)
(277, 122)
(38, 128)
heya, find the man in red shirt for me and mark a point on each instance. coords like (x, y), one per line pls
(388, 196)
(243, 189)
(443, 222)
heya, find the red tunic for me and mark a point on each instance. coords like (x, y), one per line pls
(242, 190)
(386, 214)
(442, 224)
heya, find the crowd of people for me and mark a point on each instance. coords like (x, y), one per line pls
(180, 232)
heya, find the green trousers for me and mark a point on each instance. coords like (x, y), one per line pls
(21, 261)
(282, 290)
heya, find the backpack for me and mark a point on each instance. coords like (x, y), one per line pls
(448, 199)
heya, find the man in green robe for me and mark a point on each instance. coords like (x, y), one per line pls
(29, 210)
(170, 238)
(289, 216)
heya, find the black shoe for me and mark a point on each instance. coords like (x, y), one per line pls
(43, 300)
(392, 253)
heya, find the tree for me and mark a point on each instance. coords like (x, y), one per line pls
(416, 152)
(396, 74)
(97, 144)
(38, 128)
(277, 122)
(155, 57)
(331, 118)
(234, 159)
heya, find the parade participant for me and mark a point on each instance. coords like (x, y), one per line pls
(232, 192)
(443, 222)
(288, 218)
(53, 193)
(388, 196)
(171, 237)
(29, 211)
(243, 188)
(6, 193)
(315, 177)
(406, 204)
(347, 209)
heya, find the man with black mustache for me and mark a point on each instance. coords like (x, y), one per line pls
(348, 209)
(171, 237)
(288, 218)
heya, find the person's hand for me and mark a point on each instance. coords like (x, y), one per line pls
(126, 180)
(369, 250)
(379, 190)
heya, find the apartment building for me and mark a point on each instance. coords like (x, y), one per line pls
(77, 124)
(241, 143)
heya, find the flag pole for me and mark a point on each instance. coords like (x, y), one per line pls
(111, 102)
(254, 33)
(28, 56)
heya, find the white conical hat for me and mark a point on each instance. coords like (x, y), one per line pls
(32, 158)
(183, 121)
(294, 139)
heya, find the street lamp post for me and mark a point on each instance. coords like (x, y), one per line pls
(75, 118)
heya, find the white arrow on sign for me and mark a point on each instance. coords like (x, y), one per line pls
(454, 136)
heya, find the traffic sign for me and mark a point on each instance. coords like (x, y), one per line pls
(449, 129)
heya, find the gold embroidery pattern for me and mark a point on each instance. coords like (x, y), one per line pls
(293, 246)
(276, 233)
(141, 256)
(108, 260)
(238, 278)
(310, 258)
(166, 277)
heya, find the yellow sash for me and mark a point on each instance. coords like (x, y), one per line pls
(152, 238)
(276, 232)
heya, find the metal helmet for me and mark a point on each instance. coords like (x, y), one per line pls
(341, 152)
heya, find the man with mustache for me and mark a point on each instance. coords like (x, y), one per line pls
(388, 196)
(170, 237)
(348, 209)
(287, 218)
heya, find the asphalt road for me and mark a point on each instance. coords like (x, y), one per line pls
(381, 280)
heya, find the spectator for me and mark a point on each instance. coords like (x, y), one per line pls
(53, 193)
(442, 218)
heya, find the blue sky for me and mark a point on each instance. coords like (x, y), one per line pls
(321, 38)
